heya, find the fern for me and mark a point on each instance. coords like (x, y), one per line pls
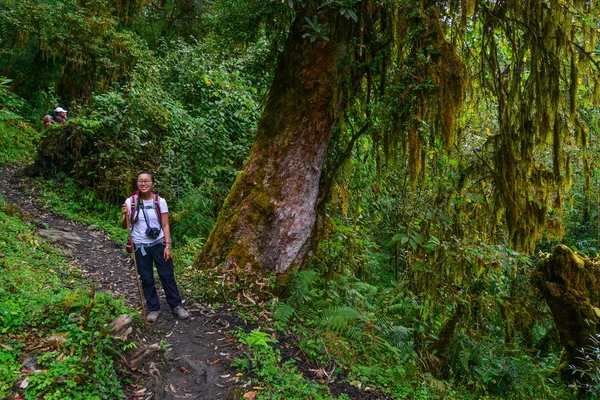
(337, 318)
(301, 283)
(397, 335)
(393, 338)
(464, 357)
(354, 297)
(307, 312)
(355, 333)
(283, 312)
(470, 357)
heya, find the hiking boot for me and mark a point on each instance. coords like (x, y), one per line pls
(181, 312)
(152, 316)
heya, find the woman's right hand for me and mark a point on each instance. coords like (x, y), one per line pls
(124, 208)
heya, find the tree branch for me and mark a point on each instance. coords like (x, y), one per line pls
(588, 55)
(343, 157)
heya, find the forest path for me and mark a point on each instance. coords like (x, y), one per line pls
(194, 366)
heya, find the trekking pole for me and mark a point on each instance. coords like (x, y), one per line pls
(137, 278)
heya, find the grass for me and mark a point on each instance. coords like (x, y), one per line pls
(19, 141)
(55, 342)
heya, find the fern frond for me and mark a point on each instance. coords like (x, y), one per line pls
(302, 281)
(395, 335)
(354, 297)
(464, 356)
(354, 333)
(283, 312)
(338, 318)
(307, 313)
(396, 310)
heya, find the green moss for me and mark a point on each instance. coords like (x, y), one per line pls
(19, 142)
(571, 286)
(247, 207)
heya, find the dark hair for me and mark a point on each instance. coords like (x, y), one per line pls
(148, 173)
(137, 211)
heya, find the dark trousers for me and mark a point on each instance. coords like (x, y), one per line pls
(155, 254)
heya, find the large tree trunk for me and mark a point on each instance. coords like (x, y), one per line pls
(267, 222)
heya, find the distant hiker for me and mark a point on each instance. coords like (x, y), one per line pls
(48, 120)
(60, 115)
(149, 217)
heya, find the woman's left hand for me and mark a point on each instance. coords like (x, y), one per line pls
(167, 253)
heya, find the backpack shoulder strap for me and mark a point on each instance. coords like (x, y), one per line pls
(157, 208)
(134, 207)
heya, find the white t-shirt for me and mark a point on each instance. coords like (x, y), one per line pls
(138, 233)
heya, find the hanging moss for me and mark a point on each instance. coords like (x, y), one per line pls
(536, 79)
(568, 172)
(573, 87)
(428, 88)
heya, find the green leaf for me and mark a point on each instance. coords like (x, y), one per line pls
(348, 13)
(413, 244)
(418, 238)
(434, 240)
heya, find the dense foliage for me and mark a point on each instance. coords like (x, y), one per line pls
(53, 325)
(467, 146)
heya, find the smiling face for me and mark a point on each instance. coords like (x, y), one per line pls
(145, 184)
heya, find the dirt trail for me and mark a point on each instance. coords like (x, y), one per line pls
(195, 364)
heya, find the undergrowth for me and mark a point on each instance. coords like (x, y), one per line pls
(55, 340)
(379, 340)
(249, 288)
(19, 139)
(278, 379)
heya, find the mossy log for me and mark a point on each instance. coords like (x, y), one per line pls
(571, 287)
(268, 221)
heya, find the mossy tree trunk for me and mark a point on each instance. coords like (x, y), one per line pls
(446, 337)
(267, 223)
(571, 287)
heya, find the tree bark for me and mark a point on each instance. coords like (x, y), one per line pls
(267, 223)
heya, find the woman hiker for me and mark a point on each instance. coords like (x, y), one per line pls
(152, 240)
